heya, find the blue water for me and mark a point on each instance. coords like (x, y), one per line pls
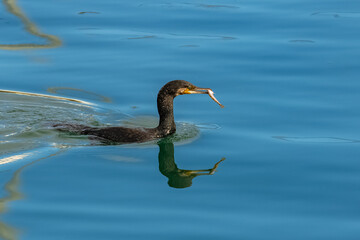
(286, 71)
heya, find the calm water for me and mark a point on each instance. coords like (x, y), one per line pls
(287, 73)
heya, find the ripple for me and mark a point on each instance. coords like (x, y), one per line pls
(338, 14)
(317, 139)
(208, 126)
(190, 46)
(301, 41)
(27, 121)
(31, 28)
(74, 92)
(185, 132)
(143, 37)
(216, 6)
(138, 35)
(180, 5)
(89, 13)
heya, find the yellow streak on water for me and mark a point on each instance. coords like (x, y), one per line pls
(46, 96)
(30, 27)
(13, 158)
(12, 189)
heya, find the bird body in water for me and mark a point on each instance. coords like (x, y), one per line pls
(166, 125)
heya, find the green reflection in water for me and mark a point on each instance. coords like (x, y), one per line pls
(30, 27)
(178, 178)
(11, 187)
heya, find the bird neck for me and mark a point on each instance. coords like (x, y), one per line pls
(165, 108)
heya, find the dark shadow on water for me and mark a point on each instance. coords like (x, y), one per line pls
(178, 178)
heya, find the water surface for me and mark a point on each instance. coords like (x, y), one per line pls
(287, 73)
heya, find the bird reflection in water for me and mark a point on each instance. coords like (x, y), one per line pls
(178, 178)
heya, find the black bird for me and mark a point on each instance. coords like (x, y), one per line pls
(166, 125)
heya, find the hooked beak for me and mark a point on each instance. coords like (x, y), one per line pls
(198, 90)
